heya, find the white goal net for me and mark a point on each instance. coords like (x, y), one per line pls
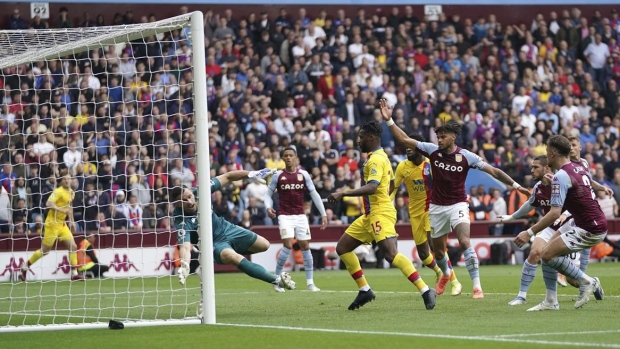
(115, 108)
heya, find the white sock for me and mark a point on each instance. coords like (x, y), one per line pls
(309, 282)
(365, 288)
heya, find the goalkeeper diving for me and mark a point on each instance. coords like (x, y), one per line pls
(230, 242)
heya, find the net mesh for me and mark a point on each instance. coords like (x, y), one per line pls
(113, 106)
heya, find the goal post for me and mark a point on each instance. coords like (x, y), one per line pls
(204, 191)
(150, 125)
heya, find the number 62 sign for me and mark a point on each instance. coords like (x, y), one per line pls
(41, 9)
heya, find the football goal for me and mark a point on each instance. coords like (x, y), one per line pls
(123, 111)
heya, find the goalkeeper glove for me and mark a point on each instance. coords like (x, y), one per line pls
(260, 175)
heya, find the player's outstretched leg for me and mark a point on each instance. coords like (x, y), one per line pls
(587, 285)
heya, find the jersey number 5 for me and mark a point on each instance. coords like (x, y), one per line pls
(376, 227)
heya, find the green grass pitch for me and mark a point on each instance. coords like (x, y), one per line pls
(251, 315)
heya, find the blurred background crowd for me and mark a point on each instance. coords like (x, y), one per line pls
(120, 117)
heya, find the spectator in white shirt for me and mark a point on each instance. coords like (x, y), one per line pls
(299, 49)
(312, 33)
(6, 216)
(133, 211)
(93, 83)
(182, 173)
(499, 209)
(43, 147)
(283, 125)
(127, 67)
(319, 135)
(608, 205)
(257, 191)
(528, 119)
(141, 190)
(355, 48)
(364, 56)
(568, 111)
(520, 101)
(596, 54)
(72, 157)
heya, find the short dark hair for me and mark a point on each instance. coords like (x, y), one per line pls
(559, 143)
(176, 193)
(418, 137)
(373, 127)
(542, 159)
(288, 148)
(450, 126)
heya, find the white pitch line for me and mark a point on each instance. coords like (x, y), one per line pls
(391, 292)
(430, 335)
(556, 333)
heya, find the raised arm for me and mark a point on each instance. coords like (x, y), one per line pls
(233, 176)
(399, 135)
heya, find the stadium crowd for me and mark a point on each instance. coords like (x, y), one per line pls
(120, 118)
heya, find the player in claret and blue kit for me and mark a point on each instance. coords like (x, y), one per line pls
(292, 183)
(571, 189)
(449, 209)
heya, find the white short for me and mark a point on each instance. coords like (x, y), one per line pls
(546, 234)
(577, 239)
(445, 218)
(294, 226)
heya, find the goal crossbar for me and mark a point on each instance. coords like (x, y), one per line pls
(23, 46)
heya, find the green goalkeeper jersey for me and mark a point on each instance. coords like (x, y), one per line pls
(186, 223)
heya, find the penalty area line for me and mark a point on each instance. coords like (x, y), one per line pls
(429, 335)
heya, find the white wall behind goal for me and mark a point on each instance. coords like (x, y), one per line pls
(123, 263)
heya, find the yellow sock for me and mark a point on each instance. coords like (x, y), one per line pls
(73, 262)
(452, 274)
(35, 257)
(354, 268)
(431, 263)
(406, 267)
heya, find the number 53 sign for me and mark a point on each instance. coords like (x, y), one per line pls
(41, 9)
